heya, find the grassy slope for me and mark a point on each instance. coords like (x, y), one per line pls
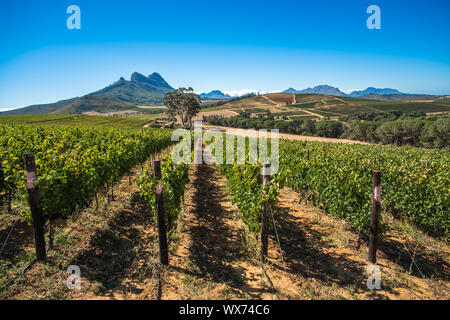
(445, 100)
(121, 95)
(132, 92)
(245, 103)
(75, 106)
(40, 108)
(90, 103)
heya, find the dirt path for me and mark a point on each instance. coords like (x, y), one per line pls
(311, 113)
(209, 261)
(374, 109)
(271, 101)
(250, 133)
(337, 98)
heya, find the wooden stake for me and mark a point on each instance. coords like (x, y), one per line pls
(265, 216)
(163, 250)
(50, 234)
(10, 196)
(375, 214)
(35, 205)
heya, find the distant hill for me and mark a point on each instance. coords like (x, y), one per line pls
(372, 90)
(322, 89)
(40, 108)
(329, 90)
(119, 96)
(215, 95)
(92, 103)
(443, 99)
(400, 97)
(75, 106)
(291, 91)
(319, 106)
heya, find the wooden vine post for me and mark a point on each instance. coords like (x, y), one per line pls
(265, 216)
(163, 250)
(35, 205)
(375, 215)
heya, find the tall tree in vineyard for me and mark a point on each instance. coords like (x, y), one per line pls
(184, 103)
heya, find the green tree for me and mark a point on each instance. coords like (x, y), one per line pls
(329, 129)
(436, 134)
(183, 102)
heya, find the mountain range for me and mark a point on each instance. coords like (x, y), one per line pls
(140, 89)
(124, 95)
(372, 90)
(321, 89)
(329, 90)
(215, 95)
(120, 96)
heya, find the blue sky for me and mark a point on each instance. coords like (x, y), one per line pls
(227, 45)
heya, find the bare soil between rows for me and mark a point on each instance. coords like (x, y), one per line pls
(209, 260)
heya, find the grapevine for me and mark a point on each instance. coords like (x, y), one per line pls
(72, 165)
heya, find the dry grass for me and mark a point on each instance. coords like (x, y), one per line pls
(281, 98)
(319, 252)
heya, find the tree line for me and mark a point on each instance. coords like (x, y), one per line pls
(427, 133)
